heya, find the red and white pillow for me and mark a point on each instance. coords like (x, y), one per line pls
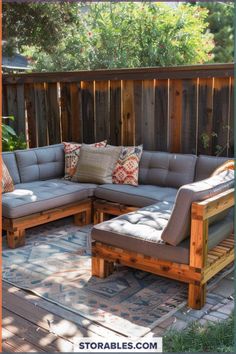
(72, 151)
(7, 182)
(127, 167)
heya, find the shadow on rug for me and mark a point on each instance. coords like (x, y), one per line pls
(55, 264)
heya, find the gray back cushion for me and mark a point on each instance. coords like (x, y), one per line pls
(206, 165)
(41, 163)
(166, 169)
(178, 227)
(10, 161)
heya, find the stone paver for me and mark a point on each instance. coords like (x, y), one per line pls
(167, 323)
(224, 288)
(179, 325)
(228, 308)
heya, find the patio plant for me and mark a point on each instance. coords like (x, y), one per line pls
(10, 140)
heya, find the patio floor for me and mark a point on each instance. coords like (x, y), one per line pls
(32, 324)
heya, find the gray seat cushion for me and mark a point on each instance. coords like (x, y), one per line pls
(178, 227)
(9, 159)
(141, 232)
(166, 169)
(33, 197)
(206, 165)
(41, 163)
(139, 196)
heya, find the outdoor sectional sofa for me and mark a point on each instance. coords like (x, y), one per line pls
(177, 223)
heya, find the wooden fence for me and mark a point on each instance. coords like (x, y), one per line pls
(179, 109)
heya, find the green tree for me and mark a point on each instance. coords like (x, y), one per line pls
(221, 24)
(113, 35)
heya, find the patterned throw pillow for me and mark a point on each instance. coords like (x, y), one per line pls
(72, 151)
(7, 182)
(127, 167)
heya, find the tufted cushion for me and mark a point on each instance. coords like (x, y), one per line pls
(206, 165)
(9, 159)
(138, 196)
(166, 169)
(141, 232)
(41, 163)
(178, 227)
(33, 197)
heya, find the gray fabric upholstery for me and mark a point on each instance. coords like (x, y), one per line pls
(141, 232)
(178, 227)
(41, 163)
(206, 165)
(166, 169)
(33, 197)
(138, 196)
(10, 162)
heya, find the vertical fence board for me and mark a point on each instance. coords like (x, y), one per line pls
(128, 121)
(161, 114)
(102, 130)
(189, 117)
(175, 121)
(53, 113)
(12, 106)
(4, 101)
(41, 113)
(76, 112)
(220, 115)
(66, 112)
(205, 116)
(138, 104)
(88, 111)
(31, 115)
(115, 112)
(231, 120)
(148, 115)
(21, 119)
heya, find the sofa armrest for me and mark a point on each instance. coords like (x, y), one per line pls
(200, 214)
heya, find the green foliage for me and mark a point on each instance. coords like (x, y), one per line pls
(218, 337)
(114, 35)
(221, 24)
(10, 141)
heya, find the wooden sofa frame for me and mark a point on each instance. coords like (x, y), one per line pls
(16, 227)
(203, 264)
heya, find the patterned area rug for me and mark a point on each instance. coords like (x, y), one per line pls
(56, 265)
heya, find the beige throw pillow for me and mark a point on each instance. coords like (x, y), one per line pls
(96, 165)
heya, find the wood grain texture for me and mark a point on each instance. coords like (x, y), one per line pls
(115, 112)
(175, 122)
(161, 115)
(88, 111)
(53, 113)
(41, 113)
(148, 117)
(102, 122)
(31, 115)
(128, 113)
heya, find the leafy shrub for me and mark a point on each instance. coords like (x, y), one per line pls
(10, 140)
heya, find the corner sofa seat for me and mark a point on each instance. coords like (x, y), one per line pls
(141, 231)
(33, 197)
(138, 196)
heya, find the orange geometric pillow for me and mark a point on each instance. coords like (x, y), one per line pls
(72, 151)
(127, 167)
(7, 182)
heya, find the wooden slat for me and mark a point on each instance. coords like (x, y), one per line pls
(189, 117)
(12, 105)
(138, 99)
(31, 115)
(148, 109)
(115, 112)
(161, 115)
(76, 112)
(175, 122)
(230, 151)
(19, 344)
(88, 111)
(21, 119)
(128, 113)
(205, 116)
(66, 112)
(41, 113)
(53, 113)
(102, 130)
(220, 113)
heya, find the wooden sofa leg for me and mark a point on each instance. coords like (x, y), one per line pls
(15, 238)
(99, 217)
(196, 296)
(101, 268)
(83, 218)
